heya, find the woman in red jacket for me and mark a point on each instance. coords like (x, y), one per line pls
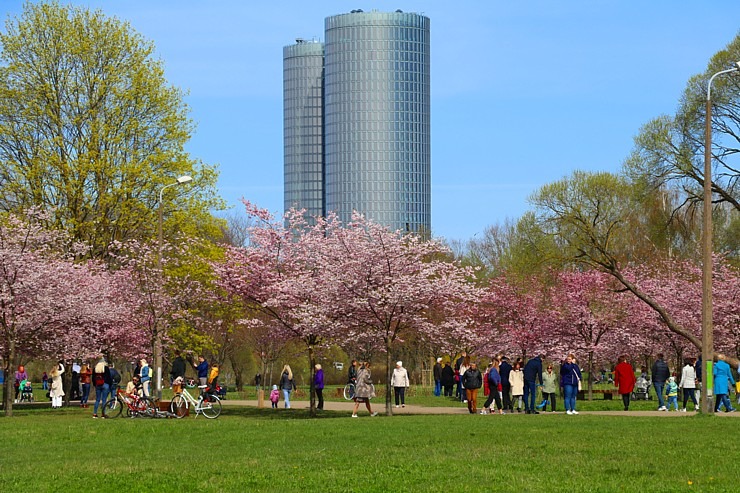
(624, 378)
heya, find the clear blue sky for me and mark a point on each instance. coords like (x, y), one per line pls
(523, 93)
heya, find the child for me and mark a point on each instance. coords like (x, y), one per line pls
(671, 390)
(274, 396)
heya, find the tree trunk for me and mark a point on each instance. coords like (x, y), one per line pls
(238, 375)
(9, 384)
(312, 390)
(388, 376)
(590, 375)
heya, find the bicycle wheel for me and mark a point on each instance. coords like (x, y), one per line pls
(349, 391)
(179, 406)
(150, 407)
(211, 408)
(113, 407)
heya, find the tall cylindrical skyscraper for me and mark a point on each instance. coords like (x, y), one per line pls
(377, 155)
(303, 66)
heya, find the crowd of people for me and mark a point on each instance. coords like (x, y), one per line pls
(507, 386)
(511, 387)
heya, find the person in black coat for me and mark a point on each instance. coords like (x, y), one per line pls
(447, 379)
(504, 370)
(661, 374)
(178, 367)
(532, 373)
(472, 380)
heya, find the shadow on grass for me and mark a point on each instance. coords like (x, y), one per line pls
(279, 414)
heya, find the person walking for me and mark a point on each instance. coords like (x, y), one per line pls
(318, 385)
(570, 376)
(494, 386)
(102, 381)
(20, 376)
(671, 391)
(505, 370)
(549, 387)
(459, 370)
(472, 380)
(516, 379)
(85, 380)
(364, 390)
(57, 388)
(722, 380)
(464, 366)
(274, 396)
(532, 373)
(624, 379)
(688, 384)
(400, 382)
(45, 381)
(287, 385)
(438, 377)
(447, 379)
(661, 373)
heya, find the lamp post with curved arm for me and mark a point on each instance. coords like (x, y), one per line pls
(160, 240)
(707, 329)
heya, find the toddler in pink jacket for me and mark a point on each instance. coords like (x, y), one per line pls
(274, 396)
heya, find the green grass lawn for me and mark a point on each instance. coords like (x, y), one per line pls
(247, 449)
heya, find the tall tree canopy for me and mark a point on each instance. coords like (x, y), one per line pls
(90, 129)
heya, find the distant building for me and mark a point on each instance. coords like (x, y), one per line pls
(357, 120)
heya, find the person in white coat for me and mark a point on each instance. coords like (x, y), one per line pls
(516, 378)
(400, 382)
(57, 388)
(688, 384)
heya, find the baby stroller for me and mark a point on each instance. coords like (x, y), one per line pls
(26, 391)
(642, 390)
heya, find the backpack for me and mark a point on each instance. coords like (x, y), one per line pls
(98, 379)
(115, 376)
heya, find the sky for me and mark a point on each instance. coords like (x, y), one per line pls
(522, 93)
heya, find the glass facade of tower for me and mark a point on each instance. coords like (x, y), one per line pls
(303, 66)
(372, 112)
(377, 153)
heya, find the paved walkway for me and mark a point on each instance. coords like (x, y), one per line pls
(379, 406)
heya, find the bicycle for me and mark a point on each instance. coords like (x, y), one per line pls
(207, 404)
(134, 404)
(349, 391)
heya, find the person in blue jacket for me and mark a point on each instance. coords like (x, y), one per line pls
(202, 369)
(570, 374)
(722, 379)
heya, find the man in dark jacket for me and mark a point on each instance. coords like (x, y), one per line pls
(504, 369)
(438, 377)
(448, 379)
(661, 373)
(472, 380)
(178, 367)
(532, 373)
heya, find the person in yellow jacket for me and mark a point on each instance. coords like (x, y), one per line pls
(213, 376)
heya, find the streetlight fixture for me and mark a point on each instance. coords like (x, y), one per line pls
(707, 328)
(160, 240)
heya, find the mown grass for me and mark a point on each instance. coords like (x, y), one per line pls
(247, 449)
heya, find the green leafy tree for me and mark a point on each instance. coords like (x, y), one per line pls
(91, 130)
(669, 150)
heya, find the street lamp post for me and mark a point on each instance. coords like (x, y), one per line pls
(707, 329)
(160, 241)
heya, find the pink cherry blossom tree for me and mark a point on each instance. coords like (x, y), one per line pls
(380, 286)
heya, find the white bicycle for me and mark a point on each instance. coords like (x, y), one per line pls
(207, 404)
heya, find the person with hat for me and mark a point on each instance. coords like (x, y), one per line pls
(400, 382)
(438, 378)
